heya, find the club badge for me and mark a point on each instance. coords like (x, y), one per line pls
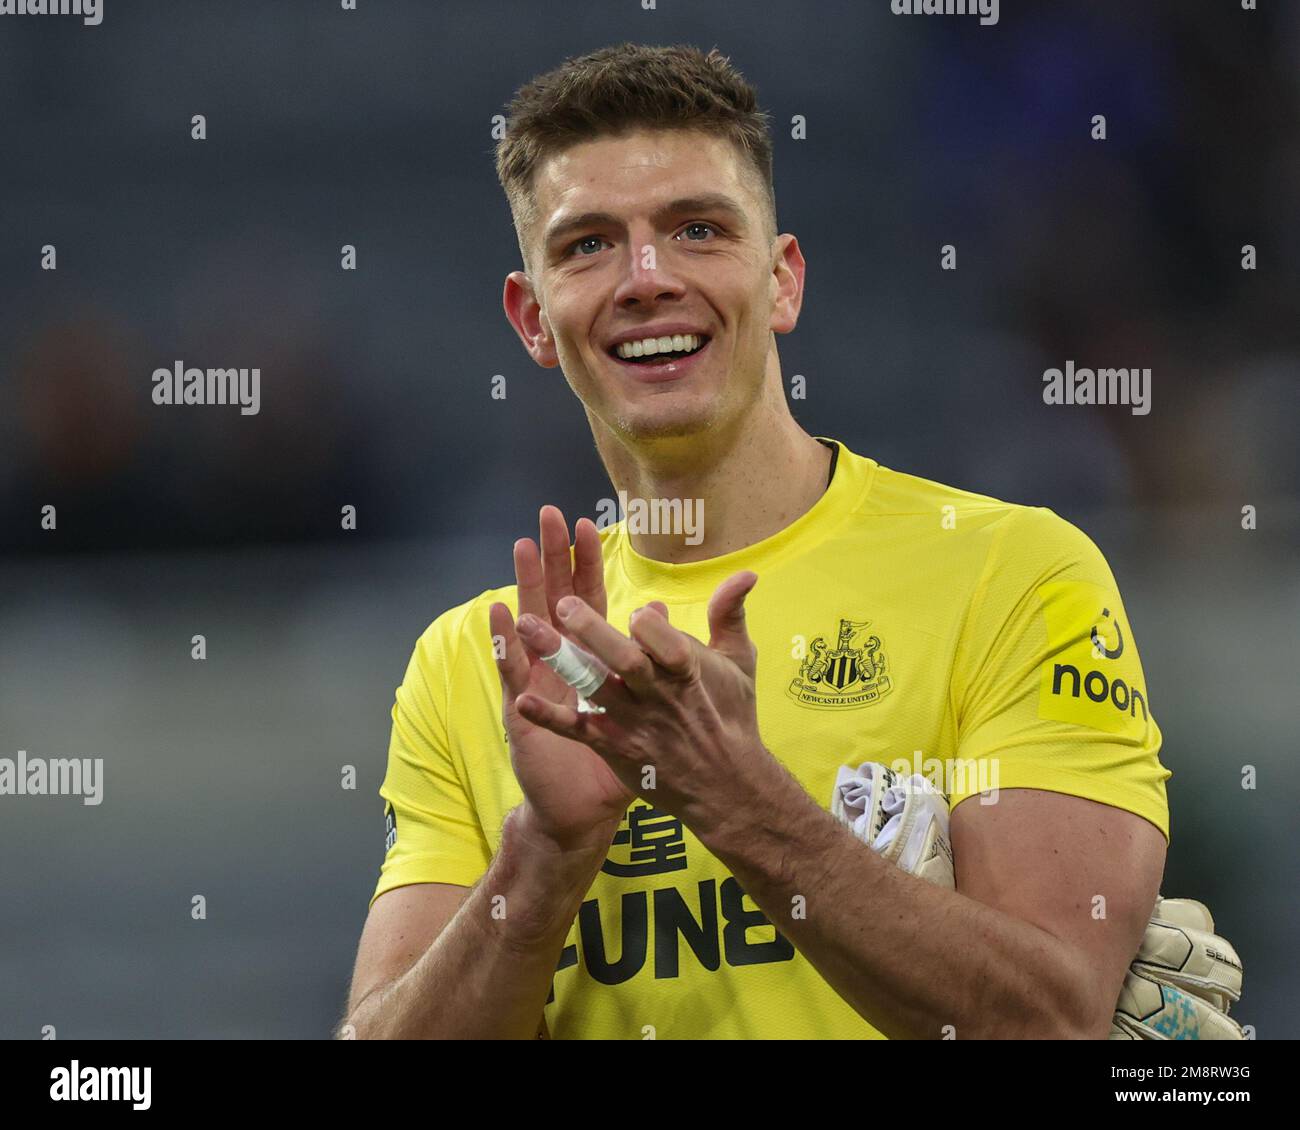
(844, 675)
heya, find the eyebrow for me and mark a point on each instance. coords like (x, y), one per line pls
(706, 202)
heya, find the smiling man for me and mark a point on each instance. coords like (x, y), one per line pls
(662, 861)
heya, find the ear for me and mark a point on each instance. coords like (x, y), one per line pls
(787, 284)
(525, 314)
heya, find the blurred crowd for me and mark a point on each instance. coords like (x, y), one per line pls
(375, 383)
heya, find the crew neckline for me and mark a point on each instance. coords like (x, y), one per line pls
(835, 457)
(692, 581)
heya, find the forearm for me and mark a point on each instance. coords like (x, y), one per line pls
(913, 959)
(488, 973)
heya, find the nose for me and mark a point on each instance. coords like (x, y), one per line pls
(647, 276)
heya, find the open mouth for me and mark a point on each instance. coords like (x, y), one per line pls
(654, 352)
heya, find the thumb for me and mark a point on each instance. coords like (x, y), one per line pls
(727, 631)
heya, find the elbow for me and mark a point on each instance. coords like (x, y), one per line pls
(1098, 1024)
(1069, 1009)
(360, 1021)
(1078, 1012)
(350, 1028)
(1056, 1024)
(1093, 1013)
(1079, 1002)
(1072, 1026)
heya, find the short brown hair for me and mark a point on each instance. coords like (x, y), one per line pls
(618, 89)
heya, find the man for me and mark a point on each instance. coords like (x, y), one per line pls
(657, 859)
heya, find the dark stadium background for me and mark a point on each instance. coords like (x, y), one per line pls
(372, 128)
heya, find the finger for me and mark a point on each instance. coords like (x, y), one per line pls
(572, 664)
(562, 720)
(621, 655)
(511, 659)
(538, 635)
(557, 561)
(528, 577)
(673, 650)
(727, 631)
(589, 565)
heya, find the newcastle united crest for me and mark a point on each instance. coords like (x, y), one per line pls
(844, 675)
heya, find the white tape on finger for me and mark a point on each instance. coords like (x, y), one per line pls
(581, 670)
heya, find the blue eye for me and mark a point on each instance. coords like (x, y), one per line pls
(699, 224)
(583, 241)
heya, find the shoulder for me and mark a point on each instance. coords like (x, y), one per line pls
(454, 632)
(994, 532)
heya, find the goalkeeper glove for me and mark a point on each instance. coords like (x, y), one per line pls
(1182, 981)
(1184, 977)
(905, 819)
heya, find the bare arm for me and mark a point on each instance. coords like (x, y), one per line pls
(486, 973)
(1015, 952)
(437, 961)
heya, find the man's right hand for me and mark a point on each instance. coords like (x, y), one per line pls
(574, 799)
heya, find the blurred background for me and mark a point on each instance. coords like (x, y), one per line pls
(329, 127)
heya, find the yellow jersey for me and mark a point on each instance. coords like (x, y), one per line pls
(981, 643)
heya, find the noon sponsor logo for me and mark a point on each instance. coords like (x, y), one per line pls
(1090, 674)
(1068, 680)
(1107, 639)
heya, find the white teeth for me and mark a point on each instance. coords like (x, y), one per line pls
(677, 343)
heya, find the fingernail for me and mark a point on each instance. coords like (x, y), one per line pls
(527, 624)
(567, 606)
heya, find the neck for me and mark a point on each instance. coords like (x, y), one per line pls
(737, 485)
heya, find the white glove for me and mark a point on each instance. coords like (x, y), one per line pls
(1183, 980)
(905, 819)
(1184, 977)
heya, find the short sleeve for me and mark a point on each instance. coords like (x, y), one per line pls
(1047, 686)
(433, 831)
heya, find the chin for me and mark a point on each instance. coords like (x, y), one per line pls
(667, 424)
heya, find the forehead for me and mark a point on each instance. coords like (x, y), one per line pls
(636, 171)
